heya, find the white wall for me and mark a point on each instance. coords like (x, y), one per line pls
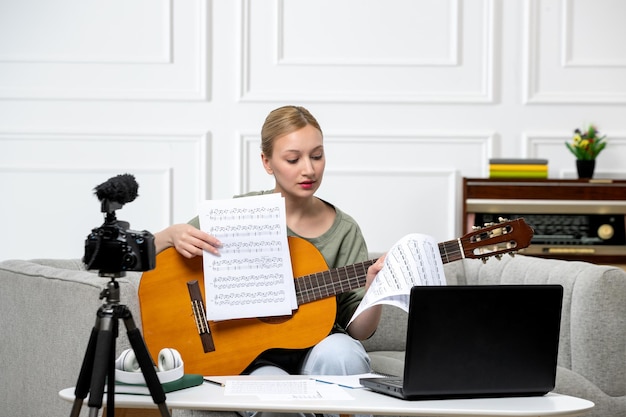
(412, 96)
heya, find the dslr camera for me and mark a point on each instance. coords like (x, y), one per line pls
(113, 248)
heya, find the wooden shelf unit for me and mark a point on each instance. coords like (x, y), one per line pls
(551, 197)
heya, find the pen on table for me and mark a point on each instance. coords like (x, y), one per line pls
(322, 381)
(210, 381)
(333, 383)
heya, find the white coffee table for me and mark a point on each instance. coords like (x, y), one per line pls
(210, 396)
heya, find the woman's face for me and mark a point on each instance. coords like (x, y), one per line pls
(297, 162)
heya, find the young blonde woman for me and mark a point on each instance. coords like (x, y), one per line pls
(293, 152)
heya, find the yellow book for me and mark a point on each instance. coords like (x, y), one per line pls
(518, 167)
(518, 174)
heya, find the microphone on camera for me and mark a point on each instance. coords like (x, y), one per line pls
(120, 189)
(113, 247)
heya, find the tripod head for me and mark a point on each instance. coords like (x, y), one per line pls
(111, 292)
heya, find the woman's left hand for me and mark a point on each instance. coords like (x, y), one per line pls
(366, 323)
(373, 270)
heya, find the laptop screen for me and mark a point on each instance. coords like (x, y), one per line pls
(482, 340)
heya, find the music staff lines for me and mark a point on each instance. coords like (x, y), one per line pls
(247, 281)
(244, 213)
(252, 247)
(245, 230)
(260, 262)
(249, 297)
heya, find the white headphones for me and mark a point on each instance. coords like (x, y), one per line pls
(168, 360)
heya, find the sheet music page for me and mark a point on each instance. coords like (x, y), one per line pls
(272, 389)
(252, 276)
(413, 260)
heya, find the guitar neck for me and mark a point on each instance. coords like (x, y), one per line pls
(328, 283)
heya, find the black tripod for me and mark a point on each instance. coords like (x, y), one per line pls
(99, 360)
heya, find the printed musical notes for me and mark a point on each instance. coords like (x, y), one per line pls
(252, 277)
(413, 260)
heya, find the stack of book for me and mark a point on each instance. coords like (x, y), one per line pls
(518, 168)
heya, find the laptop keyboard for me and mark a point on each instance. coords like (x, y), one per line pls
(398, 382)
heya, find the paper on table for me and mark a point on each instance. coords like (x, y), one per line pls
(295, 387)
(287, 389)
(252, 277)
(413, 260)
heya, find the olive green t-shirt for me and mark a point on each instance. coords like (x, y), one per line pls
(341, 245)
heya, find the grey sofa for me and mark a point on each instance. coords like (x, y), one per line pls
(49, 308)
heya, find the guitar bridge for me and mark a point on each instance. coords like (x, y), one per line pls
(198, 310)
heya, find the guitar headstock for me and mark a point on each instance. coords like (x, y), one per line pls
(496, 239)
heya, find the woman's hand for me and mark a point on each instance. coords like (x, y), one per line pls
(366, 323)
(188, 240)
(373, 270)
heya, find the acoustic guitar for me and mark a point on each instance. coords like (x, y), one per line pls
(173, 313)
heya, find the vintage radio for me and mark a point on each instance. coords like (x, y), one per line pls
(571, 219)
(602, 234)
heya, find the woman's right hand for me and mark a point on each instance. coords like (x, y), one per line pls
(188, 240)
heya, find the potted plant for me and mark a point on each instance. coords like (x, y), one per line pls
(586, 146)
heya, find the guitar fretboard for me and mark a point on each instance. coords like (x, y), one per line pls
(324, 284)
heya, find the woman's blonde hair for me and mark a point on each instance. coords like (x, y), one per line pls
(282, 121)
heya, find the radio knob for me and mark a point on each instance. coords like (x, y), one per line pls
(605, 232)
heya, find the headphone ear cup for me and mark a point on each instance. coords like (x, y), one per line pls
(127, 361)
(169, 359)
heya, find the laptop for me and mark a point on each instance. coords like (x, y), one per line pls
(478, 341)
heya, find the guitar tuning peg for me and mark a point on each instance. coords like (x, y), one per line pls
(512, 254)
(499, 256)
(475, 227)
(502, 219)
(484, 260)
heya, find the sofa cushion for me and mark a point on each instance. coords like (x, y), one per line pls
(391, 332)
(388, 362)
(590, 292)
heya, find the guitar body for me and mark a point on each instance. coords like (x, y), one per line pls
(168, 320)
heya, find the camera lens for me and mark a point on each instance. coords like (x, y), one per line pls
(129, 260)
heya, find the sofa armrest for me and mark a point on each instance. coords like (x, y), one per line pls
(47, 317)
(598, 328)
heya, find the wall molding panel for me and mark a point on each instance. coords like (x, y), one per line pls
(170, 171)
(164, 59)
(568, 65)
(453, 65)
(582, 50)
(45, 194)
(419, 211)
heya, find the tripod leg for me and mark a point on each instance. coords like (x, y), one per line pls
(146, 364)
(84, 378)
(111, 372)
(100, 364)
